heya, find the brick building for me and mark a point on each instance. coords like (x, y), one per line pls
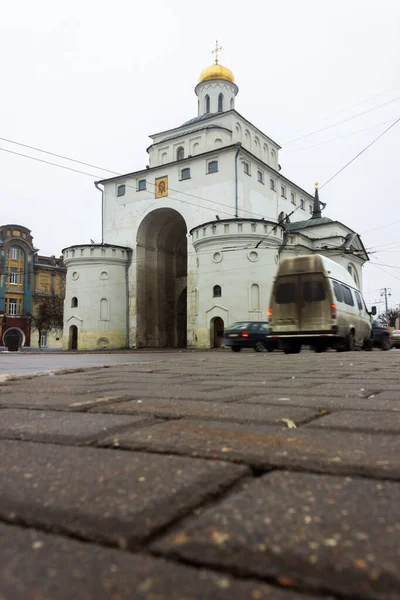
(26, 278)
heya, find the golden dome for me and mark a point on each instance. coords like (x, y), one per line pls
(216, 71)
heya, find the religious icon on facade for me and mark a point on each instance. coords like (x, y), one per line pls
(162, 186)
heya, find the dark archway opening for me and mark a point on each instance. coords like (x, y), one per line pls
(13, 340)
(162, 280)
(73, 338)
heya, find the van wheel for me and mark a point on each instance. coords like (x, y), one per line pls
(235, 348)
(350, 342)
(368, 345)
(291, 347)
(260, 347)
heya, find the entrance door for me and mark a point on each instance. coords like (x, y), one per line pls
(217, 332)
(13, 340)
(73, 338)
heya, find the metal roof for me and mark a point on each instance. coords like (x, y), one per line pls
(308, 223)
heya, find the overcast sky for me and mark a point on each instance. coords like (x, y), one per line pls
(91, 79)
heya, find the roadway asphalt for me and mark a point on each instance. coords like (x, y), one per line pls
(29, 362)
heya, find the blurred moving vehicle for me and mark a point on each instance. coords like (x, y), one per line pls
(380, 336)
(395, 338)
(249, 334)
(315, 302)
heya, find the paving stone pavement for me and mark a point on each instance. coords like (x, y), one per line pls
(204, 476)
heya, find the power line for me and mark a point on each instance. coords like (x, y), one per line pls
(359, 154)
(341, 137)
(367, 99)
(342, 121)
(213, 202)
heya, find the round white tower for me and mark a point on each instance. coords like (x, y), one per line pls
(96, 302)
(236, 262)
(216, 90)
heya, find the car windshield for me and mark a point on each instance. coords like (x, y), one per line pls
(240, 325)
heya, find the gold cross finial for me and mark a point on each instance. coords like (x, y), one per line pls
(216, 51)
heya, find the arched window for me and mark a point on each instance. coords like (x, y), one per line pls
(273, 157)
(74, 302)
(196, 148)
(218, 142)
(255, 297)
(217, 292)
(207, 103)
(232, 103)
(180, 153)
(164, 158)
(247, 142)
(220, 103)
(104, 309)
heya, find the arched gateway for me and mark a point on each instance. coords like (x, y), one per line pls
(161, 269)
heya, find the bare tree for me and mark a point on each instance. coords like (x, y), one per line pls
(392, 315)
(49, 313)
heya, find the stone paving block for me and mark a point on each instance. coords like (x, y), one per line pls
(104, 495)
(372, 421)
(62, 427)
(49, 567)
(241, 413)
(58, 401)
(375, 403)
(264, 447)
(332, 534)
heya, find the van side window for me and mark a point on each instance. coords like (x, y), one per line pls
(358, 299)
(286, 293)
(338, 291)
(313, 291)
(347, 295)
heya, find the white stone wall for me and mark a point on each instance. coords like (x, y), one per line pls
(96, 277)
(226, 256)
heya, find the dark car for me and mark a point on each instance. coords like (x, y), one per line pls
(249, 334)
(380, 336)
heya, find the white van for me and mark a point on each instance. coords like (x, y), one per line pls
(314, 301)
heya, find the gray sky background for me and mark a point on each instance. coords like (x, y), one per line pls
(91, 79)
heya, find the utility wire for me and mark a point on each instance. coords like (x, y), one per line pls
(342, 121)
(362, 152)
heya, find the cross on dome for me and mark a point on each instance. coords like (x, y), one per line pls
(216, 51)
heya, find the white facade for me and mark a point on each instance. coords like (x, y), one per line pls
(96, 303)
(217, 222)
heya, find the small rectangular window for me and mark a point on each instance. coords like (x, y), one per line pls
(286, 293)
(347, 295)
(141, 185)
(283, 191)
(338, 291)
(311, 209)
(121, 190)
(272, 184)
(14, 276)
(14, 253)
(358, 300)
(302, 204)
(246, 168)
(212, 166)
(313, 291)
(185, 174)
(260, 176)
(43, 340)
(292, 198)
(12, 306)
